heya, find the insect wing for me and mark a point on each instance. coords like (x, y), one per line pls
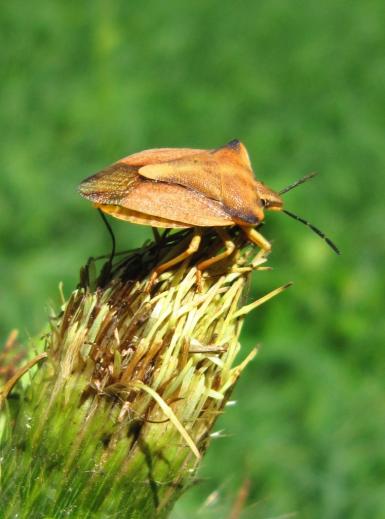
(159, 155)
(121, 192)
(110, 185)
(223, 175)
(176, 203)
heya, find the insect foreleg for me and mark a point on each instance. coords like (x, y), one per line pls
(255, 237)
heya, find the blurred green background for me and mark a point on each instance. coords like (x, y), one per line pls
(302, 85)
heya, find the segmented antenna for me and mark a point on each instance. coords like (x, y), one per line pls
(314, 229)
(297, 183)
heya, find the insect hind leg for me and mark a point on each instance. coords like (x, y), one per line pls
(106, 271)
(205, 264)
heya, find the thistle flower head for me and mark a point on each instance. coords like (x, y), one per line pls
(118, 415)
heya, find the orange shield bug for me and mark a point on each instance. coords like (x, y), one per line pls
(184, 187)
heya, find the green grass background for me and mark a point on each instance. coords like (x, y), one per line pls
(301, 83)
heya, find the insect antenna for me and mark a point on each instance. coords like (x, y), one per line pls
(297, 183)
(314, 229)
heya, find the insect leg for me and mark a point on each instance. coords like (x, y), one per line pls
(255, 237)
(156, 234)
(229, 249)
(191, 249)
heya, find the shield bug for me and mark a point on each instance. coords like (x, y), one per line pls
(184, 187)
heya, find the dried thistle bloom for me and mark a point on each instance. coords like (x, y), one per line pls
(116, 418)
